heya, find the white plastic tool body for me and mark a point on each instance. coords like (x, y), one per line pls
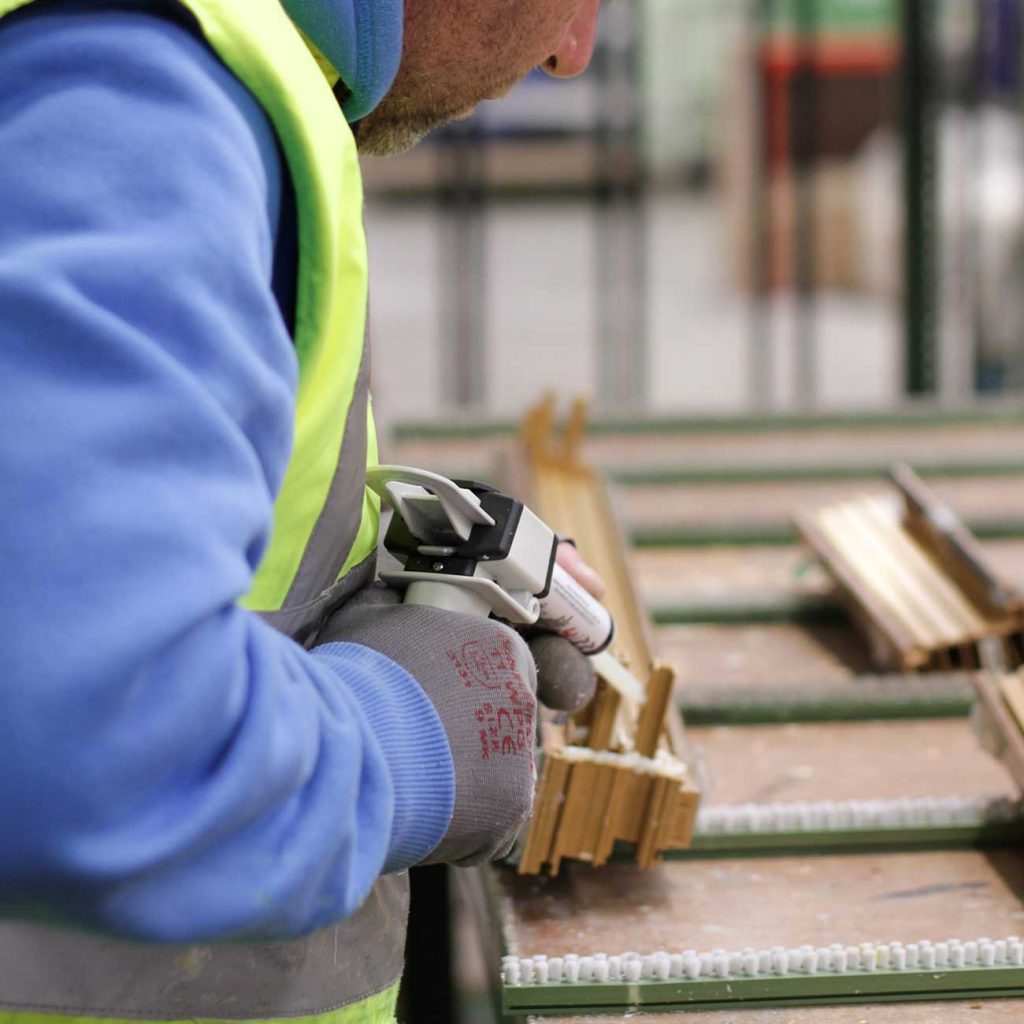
(515, 578)
(441, 515)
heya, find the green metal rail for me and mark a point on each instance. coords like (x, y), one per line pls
(802, 608)
(684, 475)
(752, 993)
(858, 699)
(905, 839)
(713, 534)
(925, 416)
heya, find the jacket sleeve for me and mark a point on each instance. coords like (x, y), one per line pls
(171, 768)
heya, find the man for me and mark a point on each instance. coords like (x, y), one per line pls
(214, 729)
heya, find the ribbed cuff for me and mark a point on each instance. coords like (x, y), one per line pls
(403, 721)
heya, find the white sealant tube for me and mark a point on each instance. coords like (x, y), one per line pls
(573, 613)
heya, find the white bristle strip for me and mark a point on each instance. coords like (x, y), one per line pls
(664, 967)
(868, 957)
(951, 954)
(830, 815)
(510, 970)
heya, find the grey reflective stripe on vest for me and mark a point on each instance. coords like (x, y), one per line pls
(47, 970)
(316, 588)
(52, 970)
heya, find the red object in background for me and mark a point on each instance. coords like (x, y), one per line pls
(865, 60)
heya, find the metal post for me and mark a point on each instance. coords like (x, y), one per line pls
(621, 254)
(804, 152)
(975, 370)
(919, 185)
(760, 361)
(463, 292)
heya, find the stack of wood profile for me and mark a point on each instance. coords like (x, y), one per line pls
(916, 581)
(1001, 697)
(615, 774)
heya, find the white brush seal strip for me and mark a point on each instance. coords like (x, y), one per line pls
(864, 957)
(832, 815)
(663, 764)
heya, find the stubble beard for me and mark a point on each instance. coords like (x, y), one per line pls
(387, 133)
(415, 109)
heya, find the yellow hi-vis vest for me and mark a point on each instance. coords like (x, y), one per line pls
(324, 536)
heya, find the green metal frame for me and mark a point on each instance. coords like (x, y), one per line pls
(803, 608)
(682, 475)
(750, 993)
(890, 698)
(678, 476)
(925, 416)
(712, 534)
(987, 836)
(752, 534)
(983, 833)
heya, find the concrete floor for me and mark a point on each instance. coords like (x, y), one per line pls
(541, 316)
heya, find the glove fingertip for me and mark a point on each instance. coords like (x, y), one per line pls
(565, 678)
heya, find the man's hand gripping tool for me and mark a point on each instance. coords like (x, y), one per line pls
(467, 547)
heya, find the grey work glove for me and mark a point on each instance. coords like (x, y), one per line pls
(565, 680)
(481, 679)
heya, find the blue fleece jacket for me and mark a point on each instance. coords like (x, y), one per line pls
(171, 768)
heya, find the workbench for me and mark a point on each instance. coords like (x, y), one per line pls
(733, 903)
(738, 606)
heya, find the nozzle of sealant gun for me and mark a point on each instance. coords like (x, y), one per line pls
(468, 547)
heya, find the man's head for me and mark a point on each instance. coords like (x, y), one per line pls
(456, 53)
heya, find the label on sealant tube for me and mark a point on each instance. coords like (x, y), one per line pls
(573, 613)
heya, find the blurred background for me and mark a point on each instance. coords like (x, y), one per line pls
(787, 236)
(743, 206)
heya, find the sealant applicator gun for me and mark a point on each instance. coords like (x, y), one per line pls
(467, 547)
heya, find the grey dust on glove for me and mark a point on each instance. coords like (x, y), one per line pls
(565, 678)
(480, 676)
